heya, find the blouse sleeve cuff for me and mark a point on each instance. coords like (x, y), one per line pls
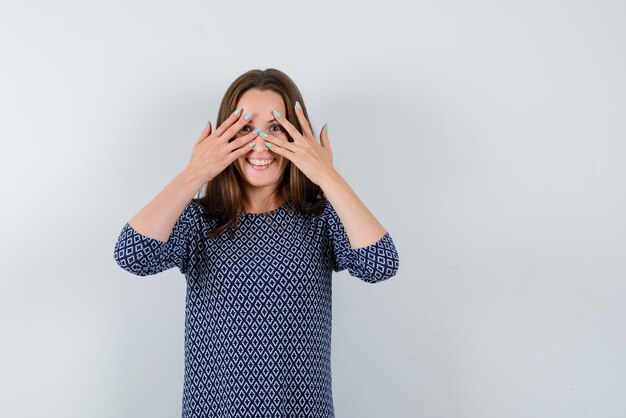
(136, 252)
(377, 261)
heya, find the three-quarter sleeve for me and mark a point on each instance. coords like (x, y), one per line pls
(142, 255)
(373, 263)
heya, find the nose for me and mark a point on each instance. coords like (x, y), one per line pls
(260, 144)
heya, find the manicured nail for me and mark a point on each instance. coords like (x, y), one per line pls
(256, 131)
(237, 112)
(298, 105)
(267, 144)
(248, 116)
(276, 113)
(326, 127)
(263, 134)
(252, 144)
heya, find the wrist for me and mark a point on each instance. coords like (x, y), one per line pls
(330, 178)
(191, 177)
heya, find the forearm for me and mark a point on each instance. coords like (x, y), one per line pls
(362, 228)
(157, 219)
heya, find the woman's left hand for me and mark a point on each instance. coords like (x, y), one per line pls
(314, 159)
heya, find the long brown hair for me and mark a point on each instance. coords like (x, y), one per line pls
(222, 198)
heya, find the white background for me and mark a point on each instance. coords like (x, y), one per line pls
(488, 137)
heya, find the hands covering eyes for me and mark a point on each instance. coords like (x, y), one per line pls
(214, 151)
(314, 159)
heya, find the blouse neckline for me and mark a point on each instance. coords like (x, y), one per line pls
(278, 209)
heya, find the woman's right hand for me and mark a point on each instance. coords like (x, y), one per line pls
(214, 151)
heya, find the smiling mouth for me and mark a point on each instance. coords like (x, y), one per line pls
(260, 163)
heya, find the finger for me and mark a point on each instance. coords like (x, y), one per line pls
(205, 133)
(236, 127)
(324, 137)
(236, 115)
(283, 143)
(284, 152)
(291, 130)
(237, 153)
(306, 129)
(241, 141)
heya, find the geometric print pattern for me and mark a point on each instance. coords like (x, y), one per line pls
(258, 308)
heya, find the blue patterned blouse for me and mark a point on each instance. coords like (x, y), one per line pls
(258, 308)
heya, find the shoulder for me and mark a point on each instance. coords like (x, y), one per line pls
(194, 213)
(330, 218)
(321, 211)
(329, 211)
(306, 209)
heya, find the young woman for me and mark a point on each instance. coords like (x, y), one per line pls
(273, 220)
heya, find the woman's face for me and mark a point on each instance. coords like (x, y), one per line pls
(261, 103)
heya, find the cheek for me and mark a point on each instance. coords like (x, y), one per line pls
(283, 163)
(280, 134)
(239, 162)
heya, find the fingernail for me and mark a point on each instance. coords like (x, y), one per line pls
(298, 105)
(276, 113)
(248, 116)
(237, 112)
(267, 144)
(252, 144)
(326, 127)
(256, 131)
(263, 134)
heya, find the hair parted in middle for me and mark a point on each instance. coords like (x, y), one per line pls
(222, 198)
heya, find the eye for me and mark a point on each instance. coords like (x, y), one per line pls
(244, 128)
(278, 128)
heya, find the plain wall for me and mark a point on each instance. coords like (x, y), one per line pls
(488, 137)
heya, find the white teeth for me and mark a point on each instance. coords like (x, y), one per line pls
(260, 162)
